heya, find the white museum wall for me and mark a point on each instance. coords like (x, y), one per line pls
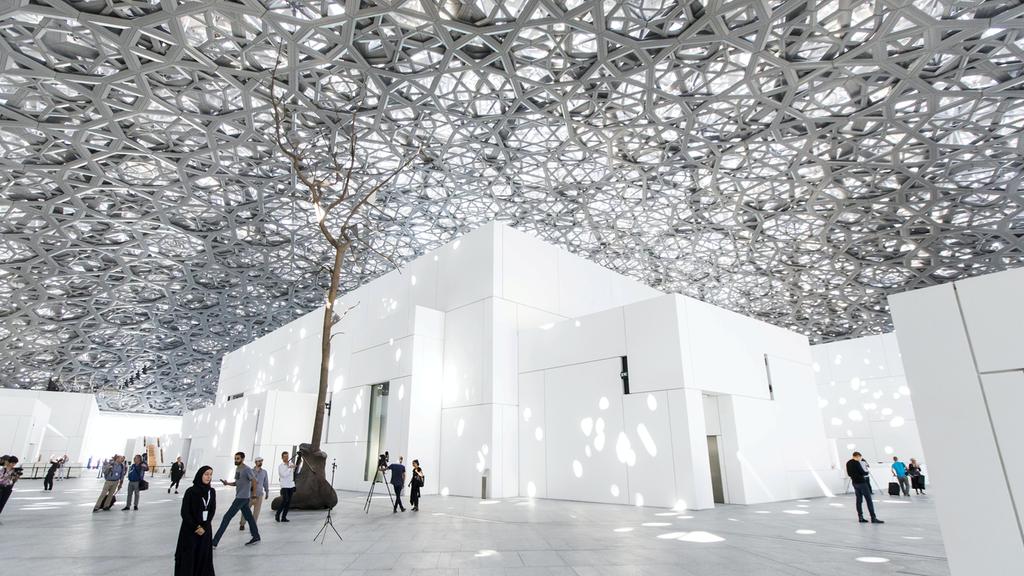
(964, 366)
(668, 350)
(458, 333)
(23, 422)
(75, 426)
(865, 402)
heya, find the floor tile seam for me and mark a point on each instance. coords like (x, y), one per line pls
(835, 546)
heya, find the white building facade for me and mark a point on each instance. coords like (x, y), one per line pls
(499, 359)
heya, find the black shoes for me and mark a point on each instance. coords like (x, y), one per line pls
(285, 520)
(876, 521)
(862, 521)
(125, 509)
(253, 541)
(169, 491)
(135, 508)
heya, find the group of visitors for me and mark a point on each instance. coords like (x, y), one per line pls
(193, 555)
(398, 483)
(908, 476)
(858, 470)
(114, 473)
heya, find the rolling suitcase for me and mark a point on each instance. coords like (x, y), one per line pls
(894, 488)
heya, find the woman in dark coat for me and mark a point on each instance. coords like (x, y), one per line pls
(177, 471)
(194, 554)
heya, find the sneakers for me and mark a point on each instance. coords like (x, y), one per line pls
(253, 541)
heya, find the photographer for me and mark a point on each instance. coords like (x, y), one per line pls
(9, 474)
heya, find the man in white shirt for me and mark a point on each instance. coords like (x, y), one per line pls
(286, 474)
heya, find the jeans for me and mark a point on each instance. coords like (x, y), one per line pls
(286, 502)
(904, 484)
(398, 497)
(5, 493)
(237, 505)
(133, 488)
(863, 491)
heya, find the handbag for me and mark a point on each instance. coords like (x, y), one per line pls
(143, 485)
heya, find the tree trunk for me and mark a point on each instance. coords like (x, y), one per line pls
(325, 345)
(313, 491)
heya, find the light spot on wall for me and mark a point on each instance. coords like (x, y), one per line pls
(603, 403)
(538, 434)
(615, 492)
(679, 506)
(599, 441)
(638, 498)
(886, 411)
(460, 427)
(889, 450)
(577, 323)
(624, 450)
(577, 469)
(587, 451)
(816, 367)
(842, 401)
(647, 440)
(897, 422)
(855, 415)
(445, 491)
(527, 414)
(838, 359)
(822, 402)
(398, 354)
(412, 280)
(401, 390)
(531, 489)
(652, 402)
(547, 326)
(485, 449)
(587, 425)
(836, 421)
(851, 446)
(904, 390)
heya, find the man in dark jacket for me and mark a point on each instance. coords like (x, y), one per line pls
(862, 486)
(397, 481)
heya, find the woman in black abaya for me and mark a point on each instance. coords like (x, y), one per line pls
(194, 554)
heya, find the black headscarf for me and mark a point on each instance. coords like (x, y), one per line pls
(197, 482)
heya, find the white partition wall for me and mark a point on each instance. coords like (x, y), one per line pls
(23, 422)
(503, 359)
(865, 401)
(965, 367)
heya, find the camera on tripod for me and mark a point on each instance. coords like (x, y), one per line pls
(382, 461)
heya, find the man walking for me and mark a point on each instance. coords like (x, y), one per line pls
(261, 491)
(862, 486)
(113, 477)
(397, 481)
(286, 475)
(245, 487)
(899, 470)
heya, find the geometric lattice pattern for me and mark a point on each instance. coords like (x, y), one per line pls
(796, 161)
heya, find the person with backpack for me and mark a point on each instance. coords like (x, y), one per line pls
(899, 470)
(113, 477)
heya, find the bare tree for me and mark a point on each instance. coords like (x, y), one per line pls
(343, 197)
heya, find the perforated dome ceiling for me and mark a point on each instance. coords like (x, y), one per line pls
(794, 161)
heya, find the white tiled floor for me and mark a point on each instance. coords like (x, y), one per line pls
(57, 533)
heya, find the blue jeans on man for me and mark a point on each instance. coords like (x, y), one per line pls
(237, 505)
(863, 490)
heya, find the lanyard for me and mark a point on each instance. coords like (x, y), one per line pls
(206, 502)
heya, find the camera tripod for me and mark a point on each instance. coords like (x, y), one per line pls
(369, 495)
(328, 521)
